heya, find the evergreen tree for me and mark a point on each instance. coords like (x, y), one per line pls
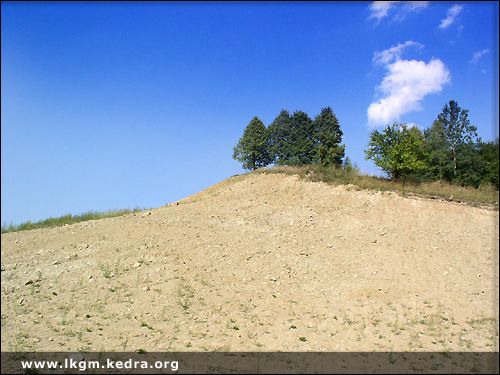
(280, 149)
(291, 139)
(252, 149)
(327, 139)
(300, 140)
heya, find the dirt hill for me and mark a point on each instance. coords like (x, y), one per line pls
(259, 263)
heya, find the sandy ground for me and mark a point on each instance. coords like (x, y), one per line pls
(259, 263)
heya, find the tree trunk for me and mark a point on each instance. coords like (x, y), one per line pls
(395, 175)
(454, 161)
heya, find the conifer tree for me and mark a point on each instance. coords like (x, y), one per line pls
(301, 139)
(328, 138)
(252, 149)
(279, 138)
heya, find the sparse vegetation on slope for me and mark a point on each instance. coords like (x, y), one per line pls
(347, 175)
(66, 219)
(351, 176)
(259, 262)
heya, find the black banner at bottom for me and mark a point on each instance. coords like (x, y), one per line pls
(248, 362)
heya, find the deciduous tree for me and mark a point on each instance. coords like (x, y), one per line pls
(457, 129)
(398, 150)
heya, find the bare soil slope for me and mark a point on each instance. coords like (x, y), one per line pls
(259, 262)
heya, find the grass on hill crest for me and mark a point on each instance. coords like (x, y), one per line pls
(66, 219)
(485, 195)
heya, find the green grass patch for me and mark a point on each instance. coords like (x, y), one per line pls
(340, 176)
(66, 219)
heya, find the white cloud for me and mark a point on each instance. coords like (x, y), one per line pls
(409, 7)
(405, 84)
(415, 6)
(380, 9)
(394, 53)
(477, 55)
(453, 12)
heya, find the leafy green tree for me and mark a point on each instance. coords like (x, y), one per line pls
(327, 139)
(470, 168)
(476, 162)
(280, 148)
(457, 129)
(398, 150)
(438, 152)
(252, 149)
(490, 157)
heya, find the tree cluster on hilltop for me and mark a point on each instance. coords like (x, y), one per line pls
(449, 150)
(292, 140)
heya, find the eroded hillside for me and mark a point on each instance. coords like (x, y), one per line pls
(259, 262)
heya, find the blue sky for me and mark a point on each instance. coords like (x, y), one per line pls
(116, 105)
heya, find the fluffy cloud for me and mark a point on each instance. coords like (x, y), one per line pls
(394, 53)
(453, 12)
(477, 55)
(405, 84)
(380, 9)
